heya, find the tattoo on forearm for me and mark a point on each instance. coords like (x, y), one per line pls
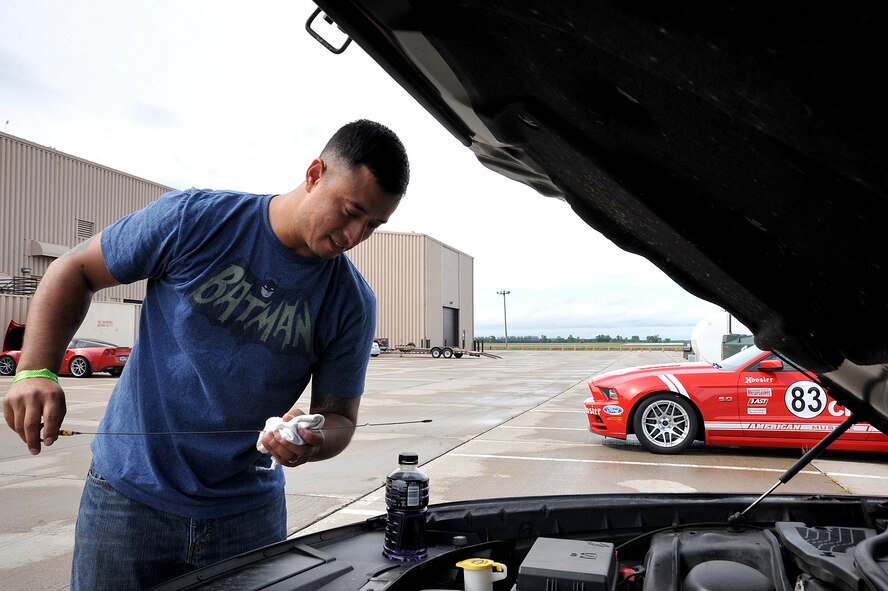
(336, 405)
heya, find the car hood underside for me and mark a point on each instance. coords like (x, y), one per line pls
(739, 147)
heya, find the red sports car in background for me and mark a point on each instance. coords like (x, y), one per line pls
(752, 398)
(82, 358)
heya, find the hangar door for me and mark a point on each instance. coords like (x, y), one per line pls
(451, 327)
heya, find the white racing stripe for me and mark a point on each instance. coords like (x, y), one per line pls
(778, 427)
(655, 464)
(668, 383)
(673, 384)
(717, 426)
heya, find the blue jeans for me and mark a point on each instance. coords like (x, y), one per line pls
(122, 544)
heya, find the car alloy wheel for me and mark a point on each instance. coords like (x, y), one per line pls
(665, 424)
(7, 366)
(79, 367)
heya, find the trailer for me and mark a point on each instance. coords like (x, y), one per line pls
(446, 352)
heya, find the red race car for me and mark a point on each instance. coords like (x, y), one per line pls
(751, 399)
(82, 358)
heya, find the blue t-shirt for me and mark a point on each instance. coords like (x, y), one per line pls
(233, 327)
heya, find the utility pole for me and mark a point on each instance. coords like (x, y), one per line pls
(504, 293)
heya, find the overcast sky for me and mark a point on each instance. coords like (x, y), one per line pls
(236, 95)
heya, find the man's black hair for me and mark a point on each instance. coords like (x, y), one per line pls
(375, 146)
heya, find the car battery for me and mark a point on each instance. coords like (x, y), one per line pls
(554, 564)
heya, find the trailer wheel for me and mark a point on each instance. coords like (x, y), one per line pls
(448, 353)
(436, 352)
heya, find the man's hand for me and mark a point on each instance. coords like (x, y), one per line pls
(290, 454)
(340, 418)
(32, 404)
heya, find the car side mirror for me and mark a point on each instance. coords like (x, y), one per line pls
(770, 365)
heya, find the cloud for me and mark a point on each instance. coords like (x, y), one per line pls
(153, 116)
(18, 79)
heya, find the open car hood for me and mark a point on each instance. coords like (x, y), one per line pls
(739, 147)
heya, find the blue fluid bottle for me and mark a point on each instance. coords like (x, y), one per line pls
(407, 500)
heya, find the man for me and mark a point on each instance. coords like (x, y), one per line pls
(248, 299)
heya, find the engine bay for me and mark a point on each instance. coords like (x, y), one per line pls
(592, 542)
(790, 556)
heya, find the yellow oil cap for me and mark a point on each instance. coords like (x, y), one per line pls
(478, 564)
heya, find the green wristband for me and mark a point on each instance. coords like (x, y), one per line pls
(35, 373)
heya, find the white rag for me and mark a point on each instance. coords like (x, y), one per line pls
(288, 429)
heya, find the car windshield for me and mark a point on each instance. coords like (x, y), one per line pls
(739, 359)
(86, 343)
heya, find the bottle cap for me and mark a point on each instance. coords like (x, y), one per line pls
(408, 457)
(478, 564)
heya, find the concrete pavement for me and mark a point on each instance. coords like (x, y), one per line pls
(500, 427)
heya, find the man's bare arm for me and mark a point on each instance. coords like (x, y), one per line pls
(61, 302)
(56, 311)
(341, 416)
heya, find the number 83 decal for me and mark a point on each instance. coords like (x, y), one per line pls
(805, 399)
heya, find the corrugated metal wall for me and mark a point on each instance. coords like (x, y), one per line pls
(59, 200)
(434, 282)
(412, 275)
(12, 307)
(393, 265)
(467, 294)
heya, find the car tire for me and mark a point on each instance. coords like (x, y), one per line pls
(665, 424)
(457, 355)
(7, 366)
(448, 353)
(79, 367)
(436, 352)
(115, 373)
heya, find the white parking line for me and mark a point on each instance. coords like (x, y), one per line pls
(537, 427)
(362, 512)
(848, 475)
(659, 465)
